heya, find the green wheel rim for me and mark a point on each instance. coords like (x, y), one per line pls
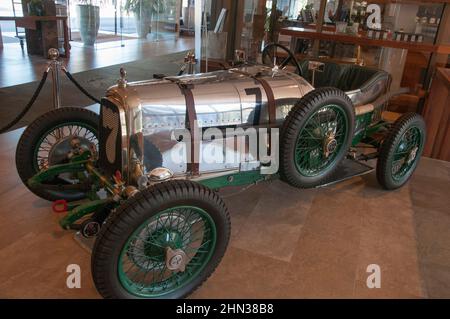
(406, 153)
(328, 125)
(43, 146)
(142, 269)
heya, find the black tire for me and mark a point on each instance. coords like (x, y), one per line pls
(134, 213)
(409, 122)
(26, 156)
(297, 120)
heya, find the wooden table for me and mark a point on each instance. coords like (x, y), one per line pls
(31, 22)
(363, 40)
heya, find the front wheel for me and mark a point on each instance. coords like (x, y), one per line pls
(400, 152)
(162, 243)
(47, 142)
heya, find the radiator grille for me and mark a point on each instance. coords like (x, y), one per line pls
(110, 138)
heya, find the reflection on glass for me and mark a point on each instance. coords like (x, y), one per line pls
(253, 31)
(100, 21)
(154, 19)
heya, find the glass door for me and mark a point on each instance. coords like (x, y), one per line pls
(155, 20)
(167, 20)
(96, 22)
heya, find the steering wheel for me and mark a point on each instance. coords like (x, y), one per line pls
(270, 57)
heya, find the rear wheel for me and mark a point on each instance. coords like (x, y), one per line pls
(48, 140)
(162, 243)
(316, 136)
(400, 152)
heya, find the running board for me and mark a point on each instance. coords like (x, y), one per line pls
(347, 169)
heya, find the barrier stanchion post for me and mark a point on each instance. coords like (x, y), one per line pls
(189, 63)
(55, 66)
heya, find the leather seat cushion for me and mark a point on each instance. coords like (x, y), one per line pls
(346, 77)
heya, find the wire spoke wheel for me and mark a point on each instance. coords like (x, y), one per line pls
(321, 140)
(400, 152)
(53, 147)
(48, 141)
(147, 269)
(406, 153)
(164, 242)
(315, 137)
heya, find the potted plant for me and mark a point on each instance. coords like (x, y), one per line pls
(89, 20)
(35, 8)
(143, 11)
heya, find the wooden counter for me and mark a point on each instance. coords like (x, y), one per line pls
(363, 40)
(437, 117)
(30, 22)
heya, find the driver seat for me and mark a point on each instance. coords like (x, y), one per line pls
(346, 77)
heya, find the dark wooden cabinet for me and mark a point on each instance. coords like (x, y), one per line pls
(45, 35)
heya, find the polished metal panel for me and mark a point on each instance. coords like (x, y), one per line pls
(253, 101)
(371, 93)
(287, 90)
(160, 174)
(217, 104)
(154, 111)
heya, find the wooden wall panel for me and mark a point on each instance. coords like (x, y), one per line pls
(437, 117)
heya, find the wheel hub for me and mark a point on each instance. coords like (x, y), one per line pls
(90, 229)
(330, 145)
(60, 150)
(412, 155)
(158, 240)
(176, 260)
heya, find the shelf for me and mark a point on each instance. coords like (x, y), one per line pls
(363, 40)
(423, 2)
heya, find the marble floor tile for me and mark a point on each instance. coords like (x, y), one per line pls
(273, 227)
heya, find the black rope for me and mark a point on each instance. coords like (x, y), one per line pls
(28, 106)
(71, 78)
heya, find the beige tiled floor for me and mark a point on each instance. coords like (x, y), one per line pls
(285, 242)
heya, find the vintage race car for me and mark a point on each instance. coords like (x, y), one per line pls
(143, 175)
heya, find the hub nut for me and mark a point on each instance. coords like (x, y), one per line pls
(75, 142)
(330, 146)
(412, 155)
(176, 260)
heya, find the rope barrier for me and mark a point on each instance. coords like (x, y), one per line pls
(38, 91)
(189, 63)
(28, 106)
(83, 90)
